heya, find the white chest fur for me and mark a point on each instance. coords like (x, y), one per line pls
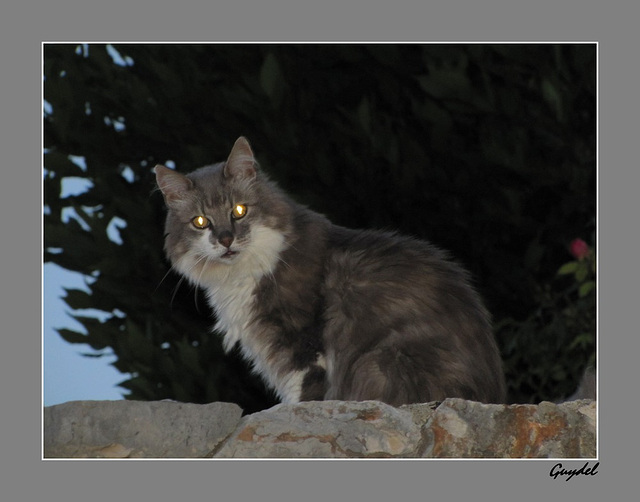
(231, 293)
(233, 306)
(231, 288)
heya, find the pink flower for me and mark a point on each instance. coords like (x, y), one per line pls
(579, 249)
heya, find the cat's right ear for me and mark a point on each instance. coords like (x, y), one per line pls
(173, 185)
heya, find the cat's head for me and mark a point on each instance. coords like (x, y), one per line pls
(221, 216)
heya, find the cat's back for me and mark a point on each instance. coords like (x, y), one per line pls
(403, 322)
(388, 262)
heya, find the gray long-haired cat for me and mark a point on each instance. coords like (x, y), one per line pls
(322, 311)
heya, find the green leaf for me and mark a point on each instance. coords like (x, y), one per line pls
(586, 288)
(71, 336)
(78, 299)
(553, 97)
(568, 268)
(271, 77)
(582, 340)
(581, 273)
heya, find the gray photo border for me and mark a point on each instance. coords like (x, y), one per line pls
(25, 27)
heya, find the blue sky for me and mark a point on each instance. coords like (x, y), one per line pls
(67, 374)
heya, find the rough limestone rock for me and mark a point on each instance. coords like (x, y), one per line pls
(325, 429)
(336, 429)
(460, 428)
(129, 429)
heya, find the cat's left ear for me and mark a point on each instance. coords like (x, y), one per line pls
(241, 163)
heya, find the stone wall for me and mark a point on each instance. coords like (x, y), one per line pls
(326, 429)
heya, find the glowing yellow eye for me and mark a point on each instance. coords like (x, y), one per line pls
(200, 222)
(239, 211)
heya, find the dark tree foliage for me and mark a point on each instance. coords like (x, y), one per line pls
(486, 150)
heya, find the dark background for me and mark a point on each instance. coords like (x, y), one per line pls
(486, 150)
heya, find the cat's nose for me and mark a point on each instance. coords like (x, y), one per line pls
(225, 238)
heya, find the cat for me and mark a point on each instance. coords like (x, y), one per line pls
(323, 312)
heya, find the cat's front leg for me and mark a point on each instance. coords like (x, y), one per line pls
(306, 384)
(314, 383)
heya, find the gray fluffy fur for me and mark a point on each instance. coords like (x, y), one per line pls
(334, 313)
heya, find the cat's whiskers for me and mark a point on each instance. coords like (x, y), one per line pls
(175, 291)
(206, 259)
(175, 288)
(162, 280)
(270, 273)
(281, 260)
(188, 273)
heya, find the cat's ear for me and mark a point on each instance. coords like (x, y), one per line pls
(173, 185)
(241, 163)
